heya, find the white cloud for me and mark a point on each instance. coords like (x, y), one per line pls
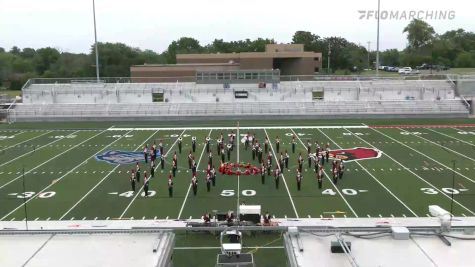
(67, 24)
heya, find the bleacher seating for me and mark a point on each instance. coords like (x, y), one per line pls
(341, 99)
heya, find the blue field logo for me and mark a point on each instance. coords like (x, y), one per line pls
(122, 157)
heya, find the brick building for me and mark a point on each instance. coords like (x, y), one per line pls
(278, 59)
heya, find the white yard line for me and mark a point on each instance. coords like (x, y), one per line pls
(33, 138)
(439, 145)
(425, 155)
(36, 149)
(238, 140)
(285, 183)
(331, 182)
(141, 188)
(375, 179)
(41, 164)
(60, 178)
(233, 128)
(189, 186)
(102, 180)
(455, 138)
(415, 174)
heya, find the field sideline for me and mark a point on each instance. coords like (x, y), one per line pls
(55, 173)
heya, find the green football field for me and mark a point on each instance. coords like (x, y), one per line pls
(56, 174)
(53, 170)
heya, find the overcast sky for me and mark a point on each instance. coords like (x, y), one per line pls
(68, 25)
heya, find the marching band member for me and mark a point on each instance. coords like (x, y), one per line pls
(210, 158)
(299, 180)
(277, 144)
(179, 144)
(190, 159)
(266, 145)
(160, 147)
(207, 143)
(228, 151)
(277, 177)
(170, 185)
(137, 172)
(300, 161)
(286, 159)
(174, 168)
(341, 169)
(293, 144)
(263, 173)
(194, 184)
(213, 175)
(320, 177)
(193, 144)
(132, 179)
(145, 183)
(208, 182)
(145, 153)
(152, 169)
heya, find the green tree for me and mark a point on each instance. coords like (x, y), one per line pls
(390, 57)
(28, 53)
(15, 50)
(44, 58)
(465, 59)
(310, 41)
(419, 34)
(184, 45)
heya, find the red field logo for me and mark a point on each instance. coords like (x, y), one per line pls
(357, 153)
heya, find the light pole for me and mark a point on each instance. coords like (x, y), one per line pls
(95, 39)
(377, 40)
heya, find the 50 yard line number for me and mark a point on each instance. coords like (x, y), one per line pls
(246, 193)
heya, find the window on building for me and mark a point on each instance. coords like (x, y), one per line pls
(316, 58)
(317, 69)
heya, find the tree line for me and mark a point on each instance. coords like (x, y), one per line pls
(455, 48)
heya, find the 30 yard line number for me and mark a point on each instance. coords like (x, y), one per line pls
(447, 190)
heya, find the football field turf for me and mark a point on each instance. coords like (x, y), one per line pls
(55, 173)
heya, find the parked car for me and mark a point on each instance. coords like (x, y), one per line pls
(405, 70)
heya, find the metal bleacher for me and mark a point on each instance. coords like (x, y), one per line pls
(132, 101)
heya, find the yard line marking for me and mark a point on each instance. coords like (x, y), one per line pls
(331, 182)
(460, 140)
(280, 168)
(423, 155)
(443, 147)
(141, 188)
(189, 186)
(60, 178)
(34, 150)
(49, 218)
(18, 177)
(372, 176)
(233, 128)
(25, 140)
(415, 174)
(238, 140)
(12, 219)
(100, 182)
